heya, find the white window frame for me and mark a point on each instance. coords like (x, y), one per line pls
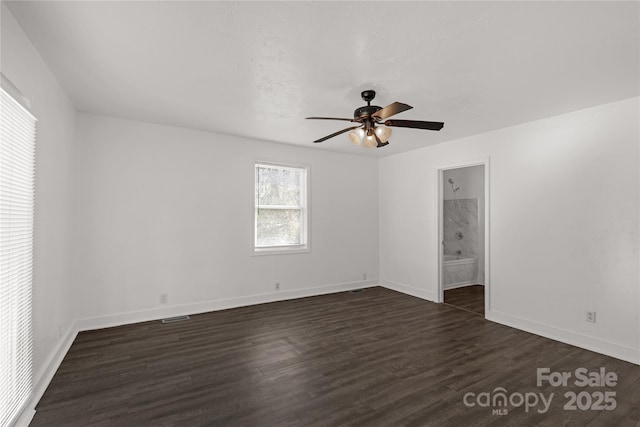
(305, 225)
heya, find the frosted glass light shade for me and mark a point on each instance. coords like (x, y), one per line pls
(370, 141)
(356, 136)
(384, 133)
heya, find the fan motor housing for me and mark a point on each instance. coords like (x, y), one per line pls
(365, 112)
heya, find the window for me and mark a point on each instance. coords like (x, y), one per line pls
(17, 145)
(281, 214)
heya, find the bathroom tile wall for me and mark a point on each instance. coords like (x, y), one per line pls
(461, 235)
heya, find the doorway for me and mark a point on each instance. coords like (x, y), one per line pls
(463, 228)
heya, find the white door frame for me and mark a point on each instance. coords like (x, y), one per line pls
(487, 253)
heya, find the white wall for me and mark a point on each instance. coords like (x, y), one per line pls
(53, 309)
(165, 209)
(564, 216)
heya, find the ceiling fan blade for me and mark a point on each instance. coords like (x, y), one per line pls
(391, 109)
(329, 118)
(416, 124)
(336, 134)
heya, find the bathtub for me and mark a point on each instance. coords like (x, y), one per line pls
(458, 271)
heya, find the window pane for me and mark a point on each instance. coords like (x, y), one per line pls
(278, 186)
(278, 227)
(280, 206)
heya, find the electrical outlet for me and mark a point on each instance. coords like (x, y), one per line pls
(277, 286)
(364, 276)
(591, 316)
(164, 298)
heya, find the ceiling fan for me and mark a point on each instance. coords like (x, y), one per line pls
(373, 128)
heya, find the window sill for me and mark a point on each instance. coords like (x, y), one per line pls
(281, 250)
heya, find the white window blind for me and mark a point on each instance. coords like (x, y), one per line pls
(281, 215)
(17, 152)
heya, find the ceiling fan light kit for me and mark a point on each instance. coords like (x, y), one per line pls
(374, 130)
(357, 136)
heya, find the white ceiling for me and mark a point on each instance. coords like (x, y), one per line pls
(257, 69)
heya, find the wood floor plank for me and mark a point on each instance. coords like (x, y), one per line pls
(469, 298)
(373, 358)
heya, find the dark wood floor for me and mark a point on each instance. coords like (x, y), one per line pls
(374, 358)
(469, 298)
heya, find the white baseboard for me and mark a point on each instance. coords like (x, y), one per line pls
(25, 417)
(44, 376)
(409, 290)
(622, 352)
(146, 315)
(626, 353)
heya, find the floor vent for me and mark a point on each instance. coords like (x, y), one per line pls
(354, 291)
(175, 319)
